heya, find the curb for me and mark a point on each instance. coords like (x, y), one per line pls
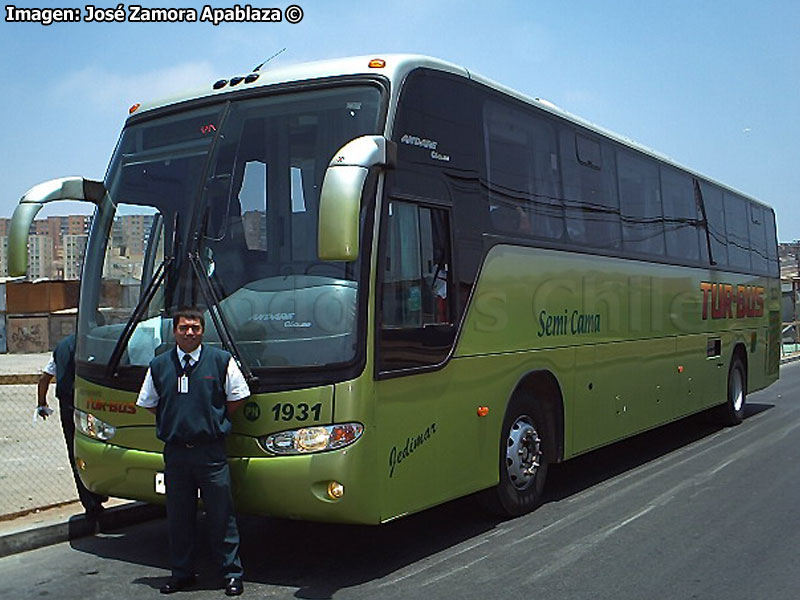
(78, 526)
(790, 359)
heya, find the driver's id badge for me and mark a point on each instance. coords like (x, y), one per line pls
(183, 384)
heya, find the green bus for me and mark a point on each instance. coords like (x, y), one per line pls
(434, 285)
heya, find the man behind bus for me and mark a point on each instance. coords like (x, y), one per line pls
(62, 367)
(193, 391)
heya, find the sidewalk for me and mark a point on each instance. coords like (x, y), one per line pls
(66, 521)
(22, 368)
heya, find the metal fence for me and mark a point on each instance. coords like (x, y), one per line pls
(790, 313)
(791, 337)
(34, 468)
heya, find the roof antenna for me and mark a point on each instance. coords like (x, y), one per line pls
(269, 59)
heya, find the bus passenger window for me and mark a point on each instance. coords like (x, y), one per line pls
(640, 205)
(684, 237)
(590, 192)
(758, 240)
(736, 226)
(773, 264)
(715, 217)
(522, 168)
(416, 269)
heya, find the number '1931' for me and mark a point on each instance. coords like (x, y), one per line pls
(300, 412)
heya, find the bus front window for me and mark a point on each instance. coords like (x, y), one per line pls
(236, 187)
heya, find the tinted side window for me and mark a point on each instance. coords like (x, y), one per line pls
(736, 226)
(590, 195)
(640, 205)
(681, 220)
(772, 243)
(715, 214)
(758, 239)
(522, 169)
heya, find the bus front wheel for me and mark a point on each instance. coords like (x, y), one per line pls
(523, 466)
(732, 412)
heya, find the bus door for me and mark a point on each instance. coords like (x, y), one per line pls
(415, 391)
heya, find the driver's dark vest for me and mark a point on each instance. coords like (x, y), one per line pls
(198, 416)
(64, 357)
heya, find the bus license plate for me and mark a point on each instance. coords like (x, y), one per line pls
(161, 487)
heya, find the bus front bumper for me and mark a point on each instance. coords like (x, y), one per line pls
(295, 487)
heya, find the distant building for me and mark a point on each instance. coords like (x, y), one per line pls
(40, 256)
(255, 229)
(789, 255)
(46, 254)
(3, 253)
(58, 227)
(130, 233)
(74, 249)
(122, 267)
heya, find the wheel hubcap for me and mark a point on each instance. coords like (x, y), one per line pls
(523, 452)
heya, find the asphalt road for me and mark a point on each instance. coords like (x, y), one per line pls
(688, 511)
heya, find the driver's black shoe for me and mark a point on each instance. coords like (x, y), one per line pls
(176, 584)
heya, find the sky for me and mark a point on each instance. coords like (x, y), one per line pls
(714, 84)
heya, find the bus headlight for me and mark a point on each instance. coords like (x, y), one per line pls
(91, 426)
(312, 439)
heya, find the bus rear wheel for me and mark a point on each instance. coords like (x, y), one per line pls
(523, 466)
(732, 412)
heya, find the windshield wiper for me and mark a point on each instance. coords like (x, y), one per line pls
(217, 316)
(144, 302)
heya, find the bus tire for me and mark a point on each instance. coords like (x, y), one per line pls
(523, 467)
(732, 412)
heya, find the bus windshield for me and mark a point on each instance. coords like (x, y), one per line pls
(236, 186)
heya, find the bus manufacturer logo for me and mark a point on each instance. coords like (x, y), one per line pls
(413, 140)
(252, 411)
(398, 454)
(432, 145)
(277, 316)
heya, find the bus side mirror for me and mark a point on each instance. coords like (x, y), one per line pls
(66, 188)
(340, 199)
